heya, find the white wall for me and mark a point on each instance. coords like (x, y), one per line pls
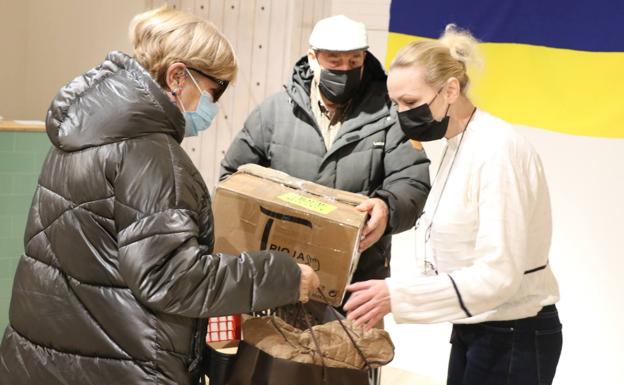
(44, 44)
(12, 58)
(586, 180)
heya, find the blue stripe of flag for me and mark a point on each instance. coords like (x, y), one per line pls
(586, 25)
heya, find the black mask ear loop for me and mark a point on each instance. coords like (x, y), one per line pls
(436, 95)
(434, 98)
(447, 110)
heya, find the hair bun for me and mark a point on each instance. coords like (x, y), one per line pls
(462, 45)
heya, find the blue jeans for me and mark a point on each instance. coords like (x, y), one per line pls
(518, 352)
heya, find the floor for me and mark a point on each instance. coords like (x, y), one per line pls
(395, 376)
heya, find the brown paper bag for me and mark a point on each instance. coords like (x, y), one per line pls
(255, 367)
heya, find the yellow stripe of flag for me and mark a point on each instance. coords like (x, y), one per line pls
(572, 92)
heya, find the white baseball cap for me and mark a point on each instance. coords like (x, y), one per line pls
(338, 33)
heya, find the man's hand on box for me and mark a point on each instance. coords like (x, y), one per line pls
(309, 282)
(369, 302)
(376, 224)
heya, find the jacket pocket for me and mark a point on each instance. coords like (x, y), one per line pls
(377, 172)
(353, 172)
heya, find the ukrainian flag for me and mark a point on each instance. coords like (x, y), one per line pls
(553, 64)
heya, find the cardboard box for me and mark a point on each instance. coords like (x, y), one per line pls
(263, 209)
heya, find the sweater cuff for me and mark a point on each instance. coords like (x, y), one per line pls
(424, 299)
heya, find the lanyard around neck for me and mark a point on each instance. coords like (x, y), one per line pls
(428, 264)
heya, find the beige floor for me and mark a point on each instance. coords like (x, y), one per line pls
(394, 376)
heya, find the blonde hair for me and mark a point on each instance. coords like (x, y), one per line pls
(449, 56)
(163, 36)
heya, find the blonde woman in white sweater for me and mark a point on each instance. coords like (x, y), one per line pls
(487, 228)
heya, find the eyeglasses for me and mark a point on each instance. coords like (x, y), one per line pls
(223, 84)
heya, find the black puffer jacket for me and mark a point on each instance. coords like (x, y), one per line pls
(370, 154)
(118, 270)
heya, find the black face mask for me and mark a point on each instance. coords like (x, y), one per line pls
(339, 86)
(418, 123)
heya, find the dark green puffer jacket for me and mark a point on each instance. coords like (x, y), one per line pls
(118, 271)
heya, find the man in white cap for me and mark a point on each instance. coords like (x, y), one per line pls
(333, 125)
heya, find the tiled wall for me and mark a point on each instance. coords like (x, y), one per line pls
(21, 156)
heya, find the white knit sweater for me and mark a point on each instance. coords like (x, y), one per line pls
(490, 236)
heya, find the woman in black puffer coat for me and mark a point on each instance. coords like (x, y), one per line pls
(118, 272)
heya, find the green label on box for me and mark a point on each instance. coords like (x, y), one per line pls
(308, 203)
